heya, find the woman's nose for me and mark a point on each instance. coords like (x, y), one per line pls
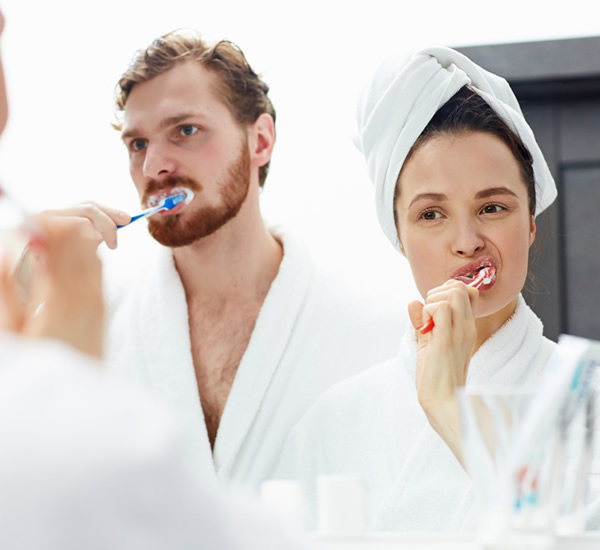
(468, 240)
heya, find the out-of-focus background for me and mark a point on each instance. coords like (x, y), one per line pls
(62, 59)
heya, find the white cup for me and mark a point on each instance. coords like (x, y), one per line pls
(341, 505)
(286, 500)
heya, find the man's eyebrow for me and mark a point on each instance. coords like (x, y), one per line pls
(176, 119)
(165, 123)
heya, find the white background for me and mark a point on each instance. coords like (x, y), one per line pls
(63, 57)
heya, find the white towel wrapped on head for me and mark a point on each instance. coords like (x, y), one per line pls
(401, 99)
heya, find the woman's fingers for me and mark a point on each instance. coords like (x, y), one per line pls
(415, 314)
(68, 281)
(462, 298)
(12, 312)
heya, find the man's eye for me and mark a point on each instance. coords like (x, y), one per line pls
(188, 130)
(138, 144)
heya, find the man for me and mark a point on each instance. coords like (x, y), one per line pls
(86, 461)
(229, 320)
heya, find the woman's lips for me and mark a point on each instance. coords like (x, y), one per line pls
(468, 272)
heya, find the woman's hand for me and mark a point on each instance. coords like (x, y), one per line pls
(444, 354)
(64, 291)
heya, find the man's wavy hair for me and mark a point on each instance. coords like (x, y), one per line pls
(241, 89)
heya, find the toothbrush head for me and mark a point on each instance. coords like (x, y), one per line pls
(189, 195)
(484, 277)
(171, 202)
(181, 195)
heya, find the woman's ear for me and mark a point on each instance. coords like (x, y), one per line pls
(401, 247)
(532, 231)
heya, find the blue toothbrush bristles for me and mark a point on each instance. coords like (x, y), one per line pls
(172, 202)
(183, 194)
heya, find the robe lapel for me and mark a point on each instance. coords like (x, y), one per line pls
(263, 357)
(164, 333)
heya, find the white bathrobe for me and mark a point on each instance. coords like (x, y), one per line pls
(89, 462)
(372, 425)
(312, 332)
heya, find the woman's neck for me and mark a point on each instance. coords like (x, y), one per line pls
(488, 325)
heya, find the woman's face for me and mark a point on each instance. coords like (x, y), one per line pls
(462, 204)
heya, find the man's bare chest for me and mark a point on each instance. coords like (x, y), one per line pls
(218, 343)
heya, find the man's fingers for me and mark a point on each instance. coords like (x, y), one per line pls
(103, 219)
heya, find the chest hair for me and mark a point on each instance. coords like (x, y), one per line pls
(219, 337)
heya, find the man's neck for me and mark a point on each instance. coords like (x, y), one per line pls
(237, 262)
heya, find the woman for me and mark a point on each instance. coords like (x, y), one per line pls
(459, 179)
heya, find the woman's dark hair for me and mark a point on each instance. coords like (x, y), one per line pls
(466, 111)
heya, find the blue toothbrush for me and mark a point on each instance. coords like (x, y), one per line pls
(166, 204)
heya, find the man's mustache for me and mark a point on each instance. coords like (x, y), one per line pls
(168, 183)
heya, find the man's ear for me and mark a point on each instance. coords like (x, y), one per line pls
(261, 139)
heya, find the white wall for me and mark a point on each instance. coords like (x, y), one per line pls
(63, 57)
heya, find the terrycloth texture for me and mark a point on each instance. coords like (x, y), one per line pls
(90, 463)
(312, 332)
(372, 425)
(402, 98)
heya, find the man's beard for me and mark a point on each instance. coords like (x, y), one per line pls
(172, 231)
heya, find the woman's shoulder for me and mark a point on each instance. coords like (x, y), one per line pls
(362, 394)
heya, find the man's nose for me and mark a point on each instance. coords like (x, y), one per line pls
(158, 163)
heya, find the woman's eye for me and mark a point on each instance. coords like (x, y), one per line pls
(138, 144)
(430, 215)
(492, 208)
(188, 130)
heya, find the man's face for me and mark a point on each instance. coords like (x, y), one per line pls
(179, 133)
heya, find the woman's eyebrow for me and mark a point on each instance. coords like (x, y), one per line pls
(428, 196)
(494, 191)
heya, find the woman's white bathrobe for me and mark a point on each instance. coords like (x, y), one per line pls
(312, 332)
(372, 425)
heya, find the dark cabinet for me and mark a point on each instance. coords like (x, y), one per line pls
(558, 85)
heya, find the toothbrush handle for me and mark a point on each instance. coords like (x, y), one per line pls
(427, 326)
(144, 214)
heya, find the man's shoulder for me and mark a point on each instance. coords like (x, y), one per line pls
(354, 305)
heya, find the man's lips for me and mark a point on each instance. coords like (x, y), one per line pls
(154, 199)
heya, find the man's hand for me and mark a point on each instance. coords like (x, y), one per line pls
(103, 219)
